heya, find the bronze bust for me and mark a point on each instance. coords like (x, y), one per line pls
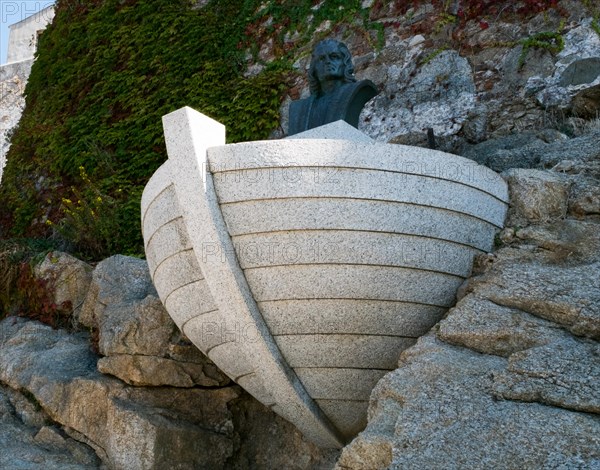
(335, 93)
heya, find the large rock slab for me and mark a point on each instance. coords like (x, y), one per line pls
(437, 411)
(438, 95)
(489, 328)
(568, 296)
(536, 196)
(586, 104)
(157, 371)
(564, 373)
(535, 150)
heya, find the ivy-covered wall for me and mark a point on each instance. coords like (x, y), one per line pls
(107, 70)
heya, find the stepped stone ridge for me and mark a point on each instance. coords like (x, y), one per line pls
(303, 267)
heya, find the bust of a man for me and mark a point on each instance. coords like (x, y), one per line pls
(335, 93)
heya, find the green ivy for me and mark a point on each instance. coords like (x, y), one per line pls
(107, 71)
(551, 41)
(595, 26)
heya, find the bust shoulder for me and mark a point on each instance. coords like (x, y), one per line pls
(345, 103)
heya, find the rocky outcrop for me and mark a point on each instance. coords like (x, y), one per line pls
(538, 150)
(66, 278)
(170, 407)
(509, 378)
(128, 427)
(440, 410)
(139, 342)
(469, 80)
(27, 441)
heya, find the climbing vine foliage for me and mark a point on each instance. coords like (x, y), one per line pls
(106, 72)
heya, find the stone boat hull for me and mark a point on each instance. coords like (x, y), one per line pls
(303, 268)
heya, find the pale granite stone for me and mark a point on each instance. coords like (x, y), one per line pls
(358, 351)
(347, 183)
(340, 383)
(339, 316)
(349, 415)
(304, 214)
(304, 267)
(177, 270)
(160, 210)
(385, 283)
(191, 300)
(296, 154)
(356, 247)
(226, 280)
(339, 130)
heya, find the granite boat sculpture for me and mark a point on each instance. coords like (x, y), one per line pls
(303, 267)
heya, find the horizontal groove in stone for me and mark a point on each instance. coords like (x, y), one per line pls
(160, 180)
(344, 230)
(231, 359)
(191, 301)
(161, 210)
(313, 247)
(339, 383)
(156, 233)
(167, 241)
(176, 271)
(241, 175)
(349, 316)
(184, 324)
(367, 185)
(206, 330)
(377, 283)
(496, 224)
(367, 265)
(344, 154)
(344, 351)
(357, 215)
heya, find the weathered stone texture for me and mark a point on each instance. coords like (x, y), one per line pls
(509, 378)
(67, 279)
(564, 373)
(468, 82)
(140, 341)
(130, 427)
(13, 78)
(156, 371)
(27, 446)
(438, 411)
(536, 196)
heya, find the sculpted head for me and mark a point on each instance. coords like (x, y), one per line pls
(330, 62)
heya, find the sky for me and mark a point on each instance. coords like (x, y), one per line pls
(13, 11)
